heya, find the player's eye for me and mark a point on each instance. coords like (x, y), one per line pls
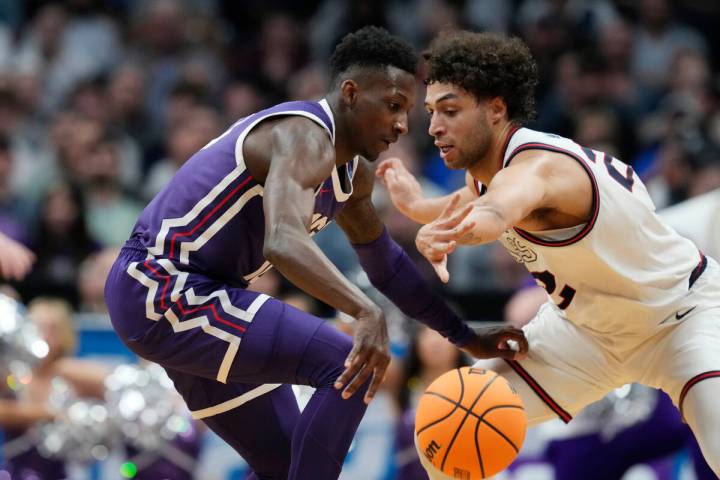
(450, 113)
(394, 106)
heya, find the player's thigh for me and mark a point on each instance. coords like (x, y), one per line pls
(235, 335)
(686, 356)
(701, 413)
(565, 370)
(256, 420)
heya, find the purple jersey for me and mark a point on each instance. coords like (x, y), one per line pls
(210, 216)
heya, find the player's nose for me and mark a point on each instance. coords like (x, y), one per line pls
(401, 125)
(436, 129)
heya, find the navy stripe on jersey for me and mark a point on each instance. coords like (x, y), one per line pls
(595, 200)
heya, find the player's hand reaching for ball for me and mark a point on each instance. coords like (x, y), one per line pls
(498, 341)
(369, 357)
(439, 238)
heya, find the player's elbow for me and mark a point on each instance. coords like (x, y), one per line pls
(278, 246)
(276, 251)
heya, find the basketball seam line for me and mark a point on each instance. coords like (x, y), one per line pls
(477, 450)
(467, 414)
(481, 418)
(464, 409)
(462, 392)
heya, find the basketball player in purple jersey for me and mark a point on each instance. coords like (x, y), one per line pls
(249, 200)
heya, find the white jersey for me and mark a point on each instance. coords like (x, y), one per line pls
(623, 272)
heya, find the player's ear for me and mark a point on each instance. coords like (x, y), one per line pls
(497, 109)
(348, 92)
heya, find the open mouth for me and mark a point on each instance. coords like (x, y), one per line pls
(444, 149)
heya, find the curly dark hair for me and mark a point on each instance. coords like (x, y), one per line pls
(372, 47)
(486, 65)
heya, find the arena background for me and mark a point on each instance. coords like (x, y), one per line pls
(102, 100)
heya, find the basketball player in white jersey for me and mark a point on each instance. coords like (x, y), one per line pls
(630, 300)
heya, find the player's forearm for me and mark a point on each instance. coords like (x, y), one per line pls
(393, 273)
(425, 210)
(300, 260)
(489, 226)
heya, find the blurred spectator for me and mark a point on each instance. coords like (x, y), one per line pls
(23, 408)
(15, 211)
(197, 127)
(164, 46)
(91, 282)
(111, 211)
(658, 39)
(241, 99)
(61, 242)
(126, 107)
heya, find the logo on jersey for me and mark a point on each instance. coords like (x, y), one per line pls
(519, 250)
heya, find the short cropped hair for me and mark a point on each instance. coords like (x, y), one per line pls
(372, 47)
(486, 65)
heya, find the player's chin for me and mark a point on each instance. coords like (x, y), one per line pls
(372, 155)
(453, 161)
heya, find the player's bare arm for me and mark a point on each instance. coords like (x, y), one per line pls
(302, 156)
(365, 230)
(407, 196)
(539, 191)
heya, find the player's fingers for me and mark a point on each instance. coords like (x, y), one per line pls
(377, 379)
(359, 379)
(382, 167)
(522, 342)
(455, 233)
(457, 216)
(441, 270)
(353, 363)
(518, 338)
(391, 179)
(435, 251)
(450, 206)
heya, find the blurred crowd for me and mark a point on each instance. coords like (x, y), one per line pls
(101, 101)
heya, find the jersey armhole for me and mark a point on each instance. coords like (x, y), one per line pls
(595, 193)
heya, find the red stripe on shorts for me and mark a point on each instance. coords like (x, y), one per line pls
(691, 383)
(544, 396)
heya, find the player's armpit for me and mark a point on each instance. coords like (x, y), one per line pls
(358, 218)
(514, 193)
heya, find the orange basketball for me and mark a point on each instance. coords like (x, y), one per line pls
(470, 424)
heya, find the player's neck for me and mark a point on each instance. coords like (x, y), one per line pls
(343, 150)
(492, 161)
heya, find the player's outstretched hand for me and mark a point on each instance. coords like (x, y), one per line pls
(404, 189)
(439, 238)
(370, 356)
(15, 259)
(494, 341)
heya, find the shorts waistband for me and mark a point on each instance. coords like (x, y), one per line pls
(135, 244)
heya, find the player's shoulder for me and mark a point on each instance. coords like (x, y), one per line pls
(526, 138)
